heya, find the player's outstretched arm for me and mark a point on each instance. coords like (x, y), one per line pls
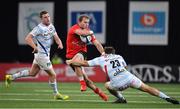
(84, 32)
(58, 41)
(30, 42)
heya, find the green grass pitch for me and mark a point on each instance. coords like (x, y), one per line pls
(39, 95)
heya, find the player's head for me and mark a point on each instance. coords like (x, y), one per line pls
(83, 21)
(109, 50)
(45, 18)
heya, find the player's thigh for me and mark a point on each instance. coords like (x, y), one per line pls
(108, 85)
(136, 83)
(123, 84)
(79, 56)
(34, 69)
(117, 87)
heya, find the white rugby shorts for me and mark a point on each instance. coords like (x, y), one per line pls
(134, 82)
(43, 61)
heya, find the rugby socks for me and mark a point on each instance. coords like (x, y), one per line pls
(101, 94)
(120, 95)
(23, 73)
(96, 91)
(54, 87)
(116, 94)
(163, 96)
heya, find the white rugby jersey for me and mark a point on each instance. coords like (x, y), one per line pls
(43, 36)
(114, 66)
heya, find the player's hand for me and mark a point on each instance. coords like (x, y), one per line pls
(68, 62)
(103, 54)
(60, 46)
(35, 50)
(91, 32)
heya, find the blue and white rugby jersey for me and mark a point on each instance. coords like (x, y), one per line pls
(43, 36)
(114, 66)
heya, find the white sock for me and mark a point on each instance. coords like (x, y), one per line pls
(23, 73)
(163, 96)
(120, 95)
(54, 87)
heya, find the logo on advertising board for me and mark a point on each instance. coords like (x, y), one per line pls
(148, 23)
(29, 17)
(156, 73)
(95, 22)
(32, 20)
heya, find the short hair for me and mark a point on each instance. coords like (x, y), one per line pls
(109, 50)
(83, 16)
(42, 13)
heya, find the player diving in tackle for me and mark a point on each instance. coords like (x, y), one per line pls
(43, 35)
(119, 77)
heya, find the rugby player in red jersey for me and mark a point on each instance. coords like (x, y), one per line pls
(76, 48)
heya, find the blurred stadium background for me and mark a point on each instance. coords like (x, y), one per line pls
(145, 32)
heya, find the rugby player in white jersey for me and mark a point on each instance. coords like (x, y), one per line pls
(43, 34)
(119, 77)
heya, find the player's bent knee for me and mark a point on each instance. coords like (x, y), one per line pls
(79, 56)
(32, 74)
(106, 85)
(52, 75)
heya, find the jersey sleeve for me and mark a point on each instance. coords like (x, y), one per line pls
(72, 30)
(94, 62)
(35, 31)
(54, 30)
(123, 63)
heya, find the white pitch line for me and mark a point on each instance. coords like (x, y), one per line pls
(45, 100)
(78, 91)
(94, 101)
(26, 94)
(39, 94)
(92, 108)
